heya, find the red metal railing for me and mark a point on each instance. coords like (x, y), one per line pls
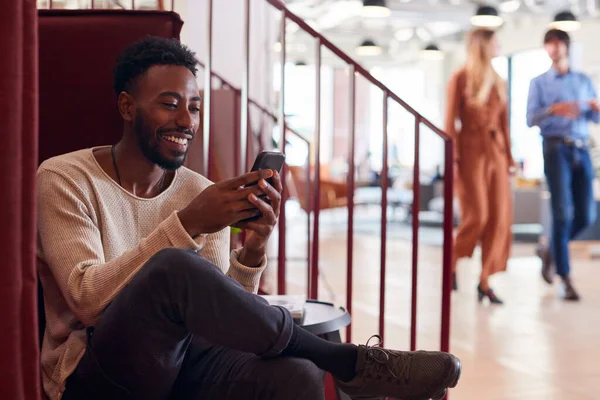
(224, 83)
(357, 69)
(313, 245)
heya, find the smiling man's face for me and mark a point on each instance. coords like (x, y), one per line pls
(167, 114)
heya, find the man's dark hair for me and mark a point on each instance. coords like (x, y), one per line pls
(141, 55)
(557, 34)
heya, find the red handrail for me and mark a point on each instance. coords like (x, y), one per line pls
(357, 69)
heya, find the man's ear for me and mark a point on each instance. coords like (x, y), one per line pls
(126, 105)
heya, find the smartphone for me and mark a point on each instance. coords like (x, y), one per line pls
(266, 160)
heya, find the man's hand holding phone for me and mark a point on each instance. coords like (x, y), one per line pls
(251, 202)
(260, 230)
(223, 204)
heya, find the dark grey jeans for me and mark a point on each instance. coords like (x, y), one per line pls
(181, 329)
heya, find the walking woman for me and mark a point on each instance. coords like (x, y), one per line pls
(477, 98)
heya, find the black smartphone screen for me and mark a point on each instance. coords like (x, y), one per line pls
(266, 160)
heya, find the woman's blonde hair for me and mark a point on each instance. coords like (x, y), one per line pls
(481, 76)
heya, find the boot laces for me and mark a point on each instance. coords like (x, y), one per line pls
(398, 365)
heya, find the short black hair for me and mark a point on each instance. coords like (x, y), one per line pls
(152, 50)
(557, 34)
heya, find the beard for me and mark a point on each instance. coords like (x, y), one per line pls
(148, 141)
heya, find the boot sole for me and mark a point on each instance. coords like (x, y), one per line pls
(439, 395)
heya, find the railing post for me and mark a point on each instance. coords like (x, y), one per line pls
(448, 242)
(245, 89)
(314, 262)
(133, 4)
(206, 161)
(314, 270)
(351, 169)
(384, 206)
(281, 257)
(415, 237)
(308, 225)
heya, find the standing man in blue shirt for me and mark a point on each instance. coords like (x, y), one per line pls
(561, 102)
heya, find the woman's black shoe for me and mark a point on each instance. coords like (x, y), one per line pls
(481, 294)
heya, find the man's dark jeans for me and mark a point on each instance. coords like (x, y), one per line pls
(569, 173)
(183, 330)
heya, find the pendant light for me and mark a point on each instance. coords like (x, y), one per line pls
(432, 52)
(565, 21)
(368, 48)
(486, 17)
(375, 9)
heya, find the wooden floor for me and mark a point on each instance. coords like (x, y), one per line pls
(534, 347)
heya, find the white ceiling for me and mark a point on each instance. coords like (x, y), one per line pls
(411, 25)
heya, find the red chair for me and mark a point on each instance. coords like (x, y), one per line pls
(77, 52)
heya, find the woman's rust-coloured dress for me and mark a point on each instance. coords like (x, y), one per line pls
(483, 156)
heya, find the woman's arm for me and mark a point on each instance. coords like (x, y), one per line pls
(452, 107)
(505, 126)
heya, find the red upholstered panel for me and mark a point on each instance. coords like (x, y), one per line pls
(77, 51)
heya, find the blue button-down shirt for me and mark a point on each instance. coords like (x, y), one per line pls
(550, 88)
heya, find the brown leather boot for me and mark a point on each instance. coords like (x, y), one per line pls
(545, 255)
(570, 292)
(406, 375)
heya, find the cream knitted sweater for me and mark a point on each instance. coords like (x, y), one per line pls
(93, 236)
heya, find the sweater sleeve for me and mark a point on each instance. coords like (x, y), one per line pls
(216, 250)
(71, 243)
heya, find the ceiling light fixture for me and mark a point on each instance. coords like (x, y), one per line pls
(432, 52)
(368, 48)
(565, 21)
(375, 9)
(486, 17)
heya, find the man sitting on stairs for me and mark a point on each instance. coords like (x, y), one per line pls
(143, 299)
